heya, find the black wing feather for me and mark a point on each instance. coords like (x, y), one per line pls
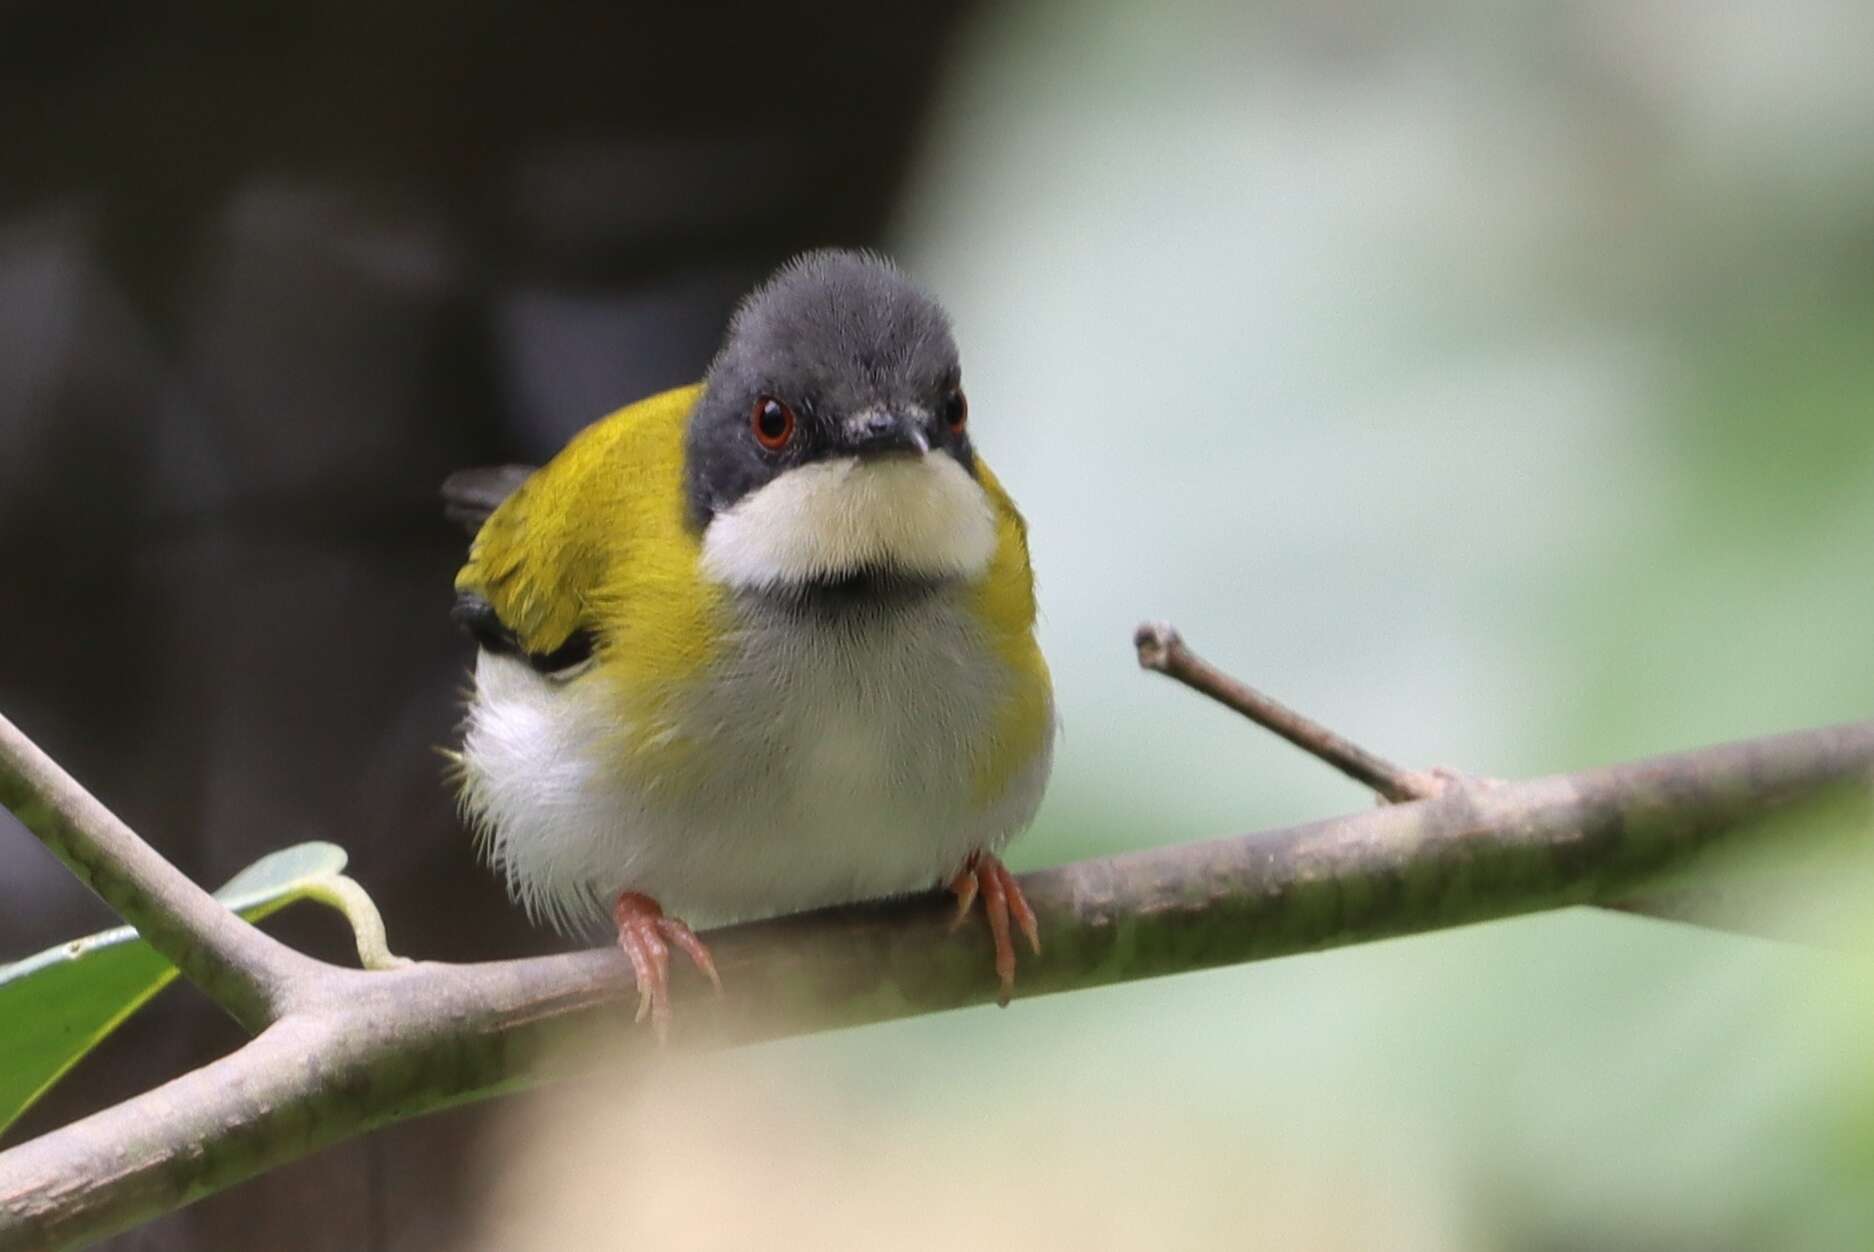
(478, 617)
(470, 495)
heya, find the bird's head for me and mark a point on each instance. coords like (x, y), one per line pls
(831, 441)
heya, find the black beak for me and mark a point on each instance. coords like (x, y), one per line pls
(875, 434)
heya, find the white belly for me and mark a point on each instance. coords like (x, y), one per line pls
(838, 761)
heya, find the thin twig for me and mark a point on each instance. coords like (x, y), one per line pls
(1164, 651)
(386, 1046)
(247, 972)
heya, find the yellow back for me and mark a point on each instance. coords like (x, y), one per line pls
(610, 503)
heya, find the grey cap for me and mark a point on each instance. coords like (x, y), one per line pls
(860, 361)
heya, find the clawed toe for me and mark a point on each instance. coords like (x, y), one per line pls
(646, 934)
(985, 875)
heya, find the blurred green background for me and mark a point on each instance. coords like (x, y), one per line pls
(1495, 383)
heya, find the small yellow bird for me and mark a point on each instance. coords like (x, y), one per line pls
(760, 644)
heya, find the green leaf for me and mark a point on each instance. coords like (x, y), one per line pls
(58, 1005)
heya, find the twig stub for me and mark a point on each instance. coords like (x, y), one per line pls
(1155, 640)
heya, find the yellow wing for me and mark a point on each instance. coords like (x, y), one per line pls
(610, 504)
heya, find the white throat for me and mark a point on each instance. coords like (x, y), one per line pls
(920, 515)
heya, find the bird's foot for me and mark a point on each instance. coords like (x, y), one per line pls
(646, 934)
(985, 875)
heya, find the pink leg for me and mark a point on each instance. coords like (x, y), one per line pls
(645, 932)
(1002, 898)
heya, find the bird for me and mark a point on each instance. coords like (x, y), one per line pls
(759, 644)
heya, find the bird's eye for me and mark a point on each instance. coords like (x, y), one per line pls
(773, 423)
(956, 411)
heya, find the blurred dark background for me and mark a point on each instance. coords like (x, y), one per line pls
(267, 274)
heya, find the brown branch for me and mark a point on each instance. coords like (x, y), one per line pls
(369, 1049)
(1162, 650)
(247, 972)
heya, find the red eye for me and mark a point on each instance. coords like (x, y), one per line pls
(773, 423)
(956, 412)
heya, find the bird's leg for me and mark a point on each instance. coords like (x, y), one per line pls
(645, 932)
(984, 874)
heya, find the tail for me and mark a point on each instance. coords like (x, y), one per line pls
(470, 495)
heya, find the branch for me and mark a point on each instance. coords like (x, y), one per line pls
(246, 971)
(1162, 650)
(374, 1048)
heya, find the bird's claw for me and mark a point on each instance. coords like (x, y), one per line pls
(646, 934)
(984, 874)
